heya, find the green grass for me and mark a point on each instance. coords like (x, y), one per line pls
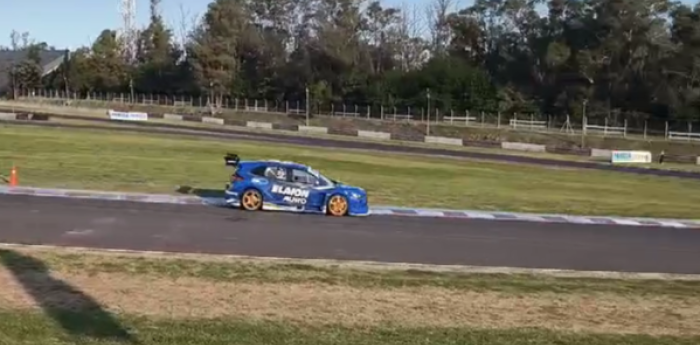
(20, 328)
(158, 163)
(558, 157)
(241, 271)
(58, 324)
(91, 113)
(654, 143)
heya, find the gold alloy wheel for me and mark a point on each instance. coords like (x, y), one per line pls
(337, 205)
(251, 200)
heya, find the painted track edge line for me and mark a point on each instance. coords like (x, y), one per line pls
(376, 210)
(362, 264)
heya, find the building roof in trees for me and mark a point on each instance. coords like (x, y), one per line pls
(50, 61)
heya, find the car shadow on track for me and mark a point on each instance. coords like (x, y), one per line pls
(77, 313)
(201, 192)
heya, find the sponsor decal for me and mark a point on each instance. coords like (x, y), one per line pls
(292, 195)
(258, 180)
(631, 157)
(124, 116)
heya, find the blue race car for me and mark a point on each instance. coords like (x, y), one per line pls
(289, 186)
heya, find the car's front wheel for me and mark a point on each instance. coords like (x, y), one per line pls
(337, 206)
(251, 200)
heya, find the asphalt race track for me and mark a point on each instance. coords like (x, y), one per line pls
(208, 229)
(232, 134)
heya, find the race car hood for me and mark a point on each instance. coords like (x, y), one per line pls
(350, 188)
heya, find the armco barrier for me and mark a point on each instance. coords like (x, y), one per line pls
(127, 116)
(444, 141)
(373, 135)
(523, 147)
(631, 157)
(697, 161)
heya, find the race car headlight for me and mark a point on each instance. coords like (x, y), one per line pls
(356, 196)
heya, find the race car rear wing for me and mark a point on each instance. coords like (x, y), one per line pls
(232, 160)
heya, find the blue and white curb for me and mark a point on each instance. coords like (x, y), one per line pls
(376, 210)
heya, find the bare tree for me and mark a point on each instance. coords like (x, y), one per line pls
(411, 31)
(185, 27)
(15, 40)
(437, 13)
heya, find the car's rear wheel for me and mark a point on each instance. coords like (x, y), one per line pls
(251, 200)
(337, 206)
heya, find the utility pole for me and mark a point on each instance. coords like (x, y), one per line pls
(308, 109)
(427, 129)
(584, 123)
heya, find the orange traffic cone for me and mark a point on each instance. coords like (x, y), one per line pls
(13, 177)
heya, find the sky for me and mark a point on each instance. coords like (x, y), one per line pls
(70, 24)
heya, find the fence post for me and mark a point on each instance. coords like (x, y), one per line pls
(605, 128)
(625, 133)
(498, 125)
(645, 129)
(666, 131)
(515, 121)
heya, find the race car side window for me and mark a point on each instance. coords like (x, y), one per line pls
(276, 173)
(303, 177)
(259, 171)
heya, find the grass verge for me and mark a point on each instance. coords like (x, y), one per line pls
(55, 296)
(558, 157)
(91, 113)
(654, 144)
(95, 159)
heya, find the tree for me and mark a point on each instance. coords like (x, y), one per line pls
(638, 59)
(213, 48)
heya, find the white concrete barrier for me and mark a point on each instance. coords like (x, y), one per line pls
(599, 153)
(172, 117)
(8, 116)
(374, 135)
(443, 140)
(212, 120)
(313, 129)
(523, 147)
(261, 125)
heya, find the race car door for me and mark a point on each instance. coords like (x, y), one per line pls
(299, 192)
(287, 193)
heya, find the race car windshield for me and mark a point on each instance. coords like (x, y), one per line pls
(322, 179)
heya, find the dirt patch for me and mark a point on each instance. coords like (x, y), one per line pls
(324, 304)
